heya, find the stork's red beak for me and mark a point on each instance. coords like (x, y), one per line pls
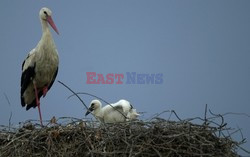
(52, 24)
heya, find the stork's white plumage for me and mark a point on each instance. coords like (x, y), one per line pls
(40, 68)
(119, 112)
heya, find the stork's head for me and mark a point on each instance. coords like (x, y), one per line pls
(94, 105)
(45, 14)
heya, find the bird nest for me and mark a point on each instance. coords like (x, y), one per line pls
(82, 137)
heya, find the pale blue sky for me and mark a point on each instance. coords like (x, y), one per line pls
(201, 47)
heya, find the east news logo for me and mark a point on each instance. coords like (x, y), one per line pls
(128, 78)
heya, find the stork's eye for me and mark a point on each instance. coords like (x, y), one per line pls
(45, 13)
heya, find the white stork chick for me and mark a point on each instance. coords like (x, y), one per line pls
(40, 68)
(119, 112)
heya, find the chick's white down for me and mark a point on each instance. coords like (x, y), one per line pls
(120, 111)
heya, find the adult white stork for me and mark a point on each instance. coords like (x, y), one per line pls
(120, 111)
(40, 68)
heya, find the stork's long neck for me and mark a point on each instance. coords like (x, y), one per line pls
(46, 41)
(45, 26)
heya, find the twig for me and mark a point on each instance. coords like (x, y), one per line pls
(157, 115)
(74, 94)
(173, 111)
(218, 115)
(235, 113)
(205, 115)
(89, 95)
(6, 97)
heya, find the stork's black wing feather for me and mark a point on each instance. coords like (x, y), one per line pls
(53, 80)
(26, 79)
(33, 104)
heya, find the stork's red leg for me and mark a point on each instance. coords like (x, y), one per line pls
(38, 104)
(45, 90)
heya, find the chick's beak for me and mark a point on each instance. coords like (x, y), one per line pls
(89, 110)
